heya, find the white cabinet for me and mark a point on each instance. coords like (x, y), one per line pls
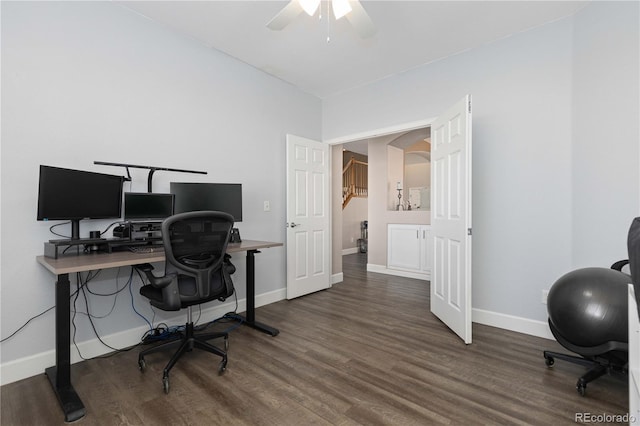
(409, 249)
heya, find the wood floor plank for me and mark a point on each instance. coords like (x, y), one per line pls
(365, 352)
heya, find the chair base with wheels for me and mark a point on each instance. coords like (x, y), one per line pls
(187, 343)
(609, 362)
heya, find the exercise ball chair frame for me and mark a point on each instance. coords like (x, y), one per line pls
(607, 358)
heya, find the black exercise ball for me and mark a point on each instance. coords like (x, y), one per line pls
(588, 306)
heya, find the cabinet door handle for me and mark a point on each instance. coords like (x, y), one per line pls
(418, 234)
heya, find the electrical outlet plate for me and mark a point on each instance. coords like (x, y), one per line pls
(545, 293)
(267, 206)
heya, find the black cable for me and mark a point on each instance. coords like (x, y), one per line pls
(80, 287)
(109, 227)
(73, 317)
(163, 332)
(93, 326)
(58, 224)
(110, 354)
(66, 223)
(29, 320)
(229, 316)
(68, 247)
(26, 323)
(115, 293)
(85, 286)
(157, 333)
(95, 331)
(133, 306)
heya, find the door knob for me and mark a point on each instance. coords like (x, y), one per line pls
(293, 225)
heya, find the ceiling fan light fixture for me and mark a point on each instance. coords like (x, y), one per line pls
(340, 8)
(310, 6)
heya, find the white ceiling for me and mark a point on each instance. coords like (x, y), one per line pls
(409, 34)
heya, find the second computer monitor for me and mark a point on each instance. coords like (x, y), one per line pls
(143, 206)
(197, 196)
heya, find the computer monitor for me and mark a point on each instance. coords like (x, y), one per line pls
(67, 194)
(145, 206)
(196, 196)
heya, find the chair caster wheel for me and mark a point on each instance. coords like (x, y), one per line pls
(222, 367)
(142, 365)
(581, 388)
(549, 361)
(165, 384)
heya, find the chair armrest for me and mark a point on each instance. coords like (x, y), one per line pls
(158, 282)
(144, 267)
(229, 267)
(620, 264)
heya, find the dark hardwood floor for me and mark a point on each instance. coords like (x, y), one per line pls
(365, 352)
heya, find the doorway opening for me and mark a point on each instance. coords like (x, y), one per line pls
(398, 190)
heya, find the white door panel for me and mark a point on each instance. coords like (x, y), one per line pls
(451, 218)
(307, 216)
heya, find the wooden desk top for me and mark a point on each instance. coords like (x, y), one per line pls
(94, 261)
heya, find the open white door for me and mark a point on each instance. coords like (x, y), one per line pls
(308, 233)
(451, 218)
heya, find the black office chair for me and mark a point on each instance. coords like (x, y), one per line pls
(197, 270)
(588, 316)
(633, 247)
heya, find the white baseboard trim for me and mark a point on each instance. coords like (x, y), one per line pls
(266, 298)
(513, 323)
(33, 365)
(337, 278)
(381, 269)
(352, 250)
(372, 267)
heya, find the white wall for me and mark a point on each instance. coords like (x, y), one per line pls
(86, 81)
(352, 216)
(531, 109)
(395, 175)
(606, 129)
(336, 213)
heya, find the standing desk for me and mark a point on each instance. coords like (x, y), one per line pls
(60, 374)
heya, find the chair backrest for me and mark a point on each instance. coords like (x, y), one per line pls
(195, 244)
(633, 247)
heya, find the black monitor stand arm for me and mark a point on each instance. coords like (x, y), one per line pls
(152, 170)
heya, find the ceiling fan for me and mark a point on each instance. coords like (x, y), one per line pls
(352, 10)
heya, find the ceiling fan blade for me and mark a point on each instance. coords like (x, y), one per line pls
(285, 16)
(360, 20)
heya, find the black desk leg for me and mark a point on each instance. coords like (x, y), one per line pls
(60, 374)
(250, 319)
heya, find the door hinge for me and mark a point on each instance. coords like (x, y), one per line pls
(469, 231)
(469, 104)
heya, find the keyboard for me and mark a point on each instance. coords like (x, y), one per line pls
(144, 249)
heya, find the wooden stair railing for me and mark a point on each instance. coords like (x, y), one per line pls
(354, 181)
